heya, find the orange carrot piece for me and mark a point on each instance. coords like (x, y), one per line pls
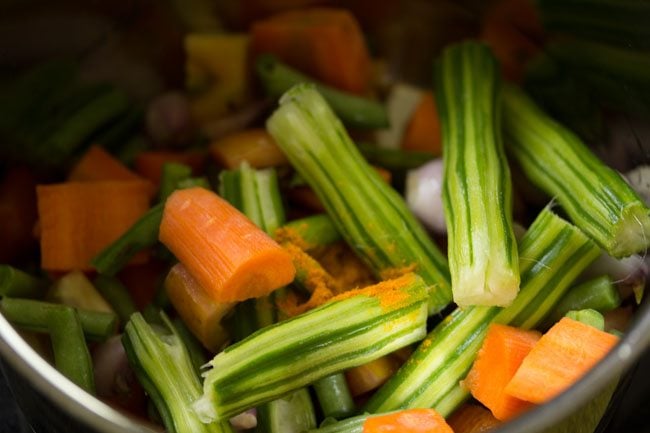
(513, 30)
(370, 376)
(79, 219)
(149, 164)
(472, 418)
(225, 251)
(17, 213)
(407, 421)
(560, 358)
(325, 43)
(423, 131)
(254, 145)
(501, 354)
(199, 311)
(98, 164)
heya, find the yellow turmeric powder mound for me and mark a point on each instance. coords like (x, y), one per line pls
(345, 266)
(391, 293)
(290, 235)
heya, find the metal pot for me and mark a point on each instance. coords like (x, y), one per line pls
(52, 403)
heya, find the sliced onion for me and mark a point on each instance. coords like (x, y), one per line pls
(424, 195)
(245, 420)
(115, 381)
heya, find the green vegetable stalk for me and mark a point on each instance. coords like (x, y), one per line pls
(552, 254)
(164, 368)
(257, 194)
(370, 215)
(596, 197)
(296, 352)
(477, 193)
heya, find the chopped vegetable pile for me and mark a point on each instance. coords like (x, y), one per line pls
(294, 238)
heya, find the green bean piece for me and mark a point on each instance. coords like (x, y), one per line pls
(17, 283)
(309, 232)
(120, 131)
(293, 413)
(117, 295)
(97, 325)
(393, 159)
(62, 323)
(588, 317)
(597, 294)
(32, 315)
(172, 174)
(71, 355)
(142, 234)
(257, 194)
(334, 396)
(354, 111)
(131, 148)
(78, 127)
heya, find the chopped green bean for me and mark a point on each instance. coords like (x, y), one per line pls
(33, 315)
(143, 234)
(393, 159)
(117, 295)
(309, 232)
(353, 110)
(598, 294)
(334, 396)
(588, 317)
(63, 324)
(172, 174)
(17, 283)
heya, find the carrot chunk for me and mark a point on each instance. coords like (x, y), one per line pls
(562, 356)
(98, 164)
(222, 249)
(503, 350)
(79, 219)
(325, 43)
(199, 312)
(423, 130)
(256, 146)
(407, 421)
(513, 30)
(472, 418)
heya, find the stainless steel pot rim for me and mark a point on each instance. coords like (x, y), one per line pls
(58, 389)
(93, 412)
